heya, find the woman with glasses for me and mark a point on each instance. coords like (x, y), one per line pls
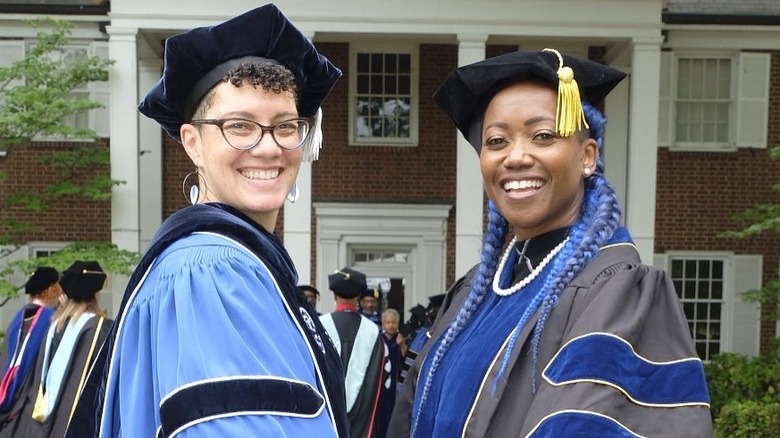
(213, 337)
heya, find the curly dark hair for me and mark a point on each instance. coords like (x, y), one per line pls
(272, 77)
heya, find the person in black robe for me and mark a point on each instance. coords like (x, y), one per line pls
(22, 342)
(77, 331)
(363, 352)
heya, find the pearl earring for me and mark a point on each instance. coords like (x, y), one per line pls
(587, 172)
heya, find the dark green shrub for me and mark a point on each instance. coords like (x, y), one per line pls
(748, 419)
(733, 378)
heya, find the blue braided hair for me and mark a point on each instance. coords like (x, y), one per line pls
(599, 218)
(491, 252)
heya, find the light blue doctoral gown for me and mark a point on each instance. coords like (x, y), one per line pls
(208, 308)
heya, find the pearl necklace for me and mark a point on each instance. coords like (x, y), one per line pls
(535, 273)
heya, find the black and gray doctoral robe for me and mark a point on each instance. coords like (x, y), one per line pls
(615, 300)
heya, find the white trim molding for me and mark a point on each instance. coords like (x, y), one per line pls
(420, 227)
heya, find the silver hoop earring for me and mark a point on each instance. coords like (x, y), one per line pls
(193, 193)
(587, 172)
(294, 194)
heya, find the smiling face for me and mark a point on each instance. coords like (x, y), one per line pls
(534, 176)
(254, 181)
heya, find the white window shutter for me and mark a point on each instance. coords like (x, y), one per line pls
(665, 102)
(11, 51)
(745, 316)
(752, 100)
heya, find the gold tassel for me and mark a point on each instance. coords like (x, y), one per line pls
(569, 116)
(40, 402)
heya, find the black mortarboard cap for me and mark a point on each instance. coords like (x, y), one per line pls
(436, 300)
(347, 283)
(197, 60)
(417, 311)
(82, 280)
(465, 93)
(42, 278)
(370, 292)
(306, 287)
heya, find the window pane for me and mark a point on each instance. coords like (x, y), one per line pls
(404, 63)
(377, 64)
(677, 268)
(362, 63)
(717, 290)
(391, 63)
(386, 90)
(362, 84)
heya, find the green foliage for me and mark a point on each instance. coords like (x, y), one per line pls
(112, 259)
(36, 98)
(734, 377)
(762, 217)
(36, 92)
(749, 419)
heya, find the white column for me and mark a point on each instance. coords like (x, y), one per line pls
(297, 218)
(468, 205)
(643, 145)
(125, 222)
(125, 208)
(151, 155)
(616, 139)
(297, 226)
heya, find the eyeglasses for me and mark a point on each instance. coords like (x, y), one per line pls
(243, 134)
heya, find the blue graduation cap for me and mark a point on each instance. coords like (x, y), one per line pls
(197, 60)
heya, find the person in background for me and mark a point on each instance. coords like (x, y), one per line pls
(562, 332)
(312, 295)
(363, 352)
(396, 349)
(213, 337)
(22, 342)
(369, 305)
(74, 337)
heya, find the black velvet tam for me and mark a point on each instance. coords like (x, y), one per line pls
(82, 280)
(197, 60)
(312, 289)
(42, 278)
(370, 292)
(347, 283)
(465, 93)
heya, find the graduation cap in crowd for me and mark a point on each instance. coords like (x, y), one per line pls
(306, 287)
(436, 300)
(82, 280)
(347, 283)
(466, 92)
(370, 292)
(417, 311)
(197, 60)
(40, 280)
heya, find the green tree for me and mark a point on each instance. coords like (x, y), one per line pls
(36, 97)
(762, 217)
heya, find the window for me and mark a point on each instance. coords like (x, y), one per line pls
(703, 101)
(709, 286)
(699, 284)
(383, 101)
(713, 101)
(97, 119)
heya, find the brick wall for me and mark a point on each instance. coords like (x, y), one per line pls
(67, 218)
(698, 195)
(360, 174)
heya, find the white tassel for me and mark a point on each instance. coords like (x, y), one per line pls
(312, 147)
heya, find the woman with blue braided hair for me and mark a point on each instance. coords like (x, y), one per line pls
(562, 332)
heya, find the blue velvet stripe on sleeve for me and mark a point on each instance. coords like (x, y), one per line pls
(580, 424)
(608, 359)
